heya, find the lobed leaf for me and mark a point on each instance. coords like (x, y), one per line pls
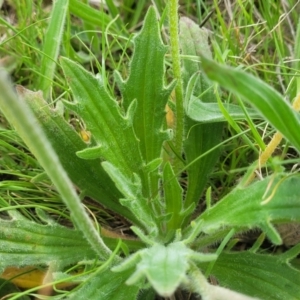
(165, 267)
(111, 130)
(158, 263)
(145, 83)
(87, 175)
(134, 200)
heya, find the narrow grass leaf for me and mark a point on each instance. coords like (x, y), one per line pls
(210, 112)
(296, 63)
(51, 45)
(91, 15)
(263, 97)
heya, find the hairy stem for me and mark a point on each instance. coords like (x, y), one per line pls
(179, 111)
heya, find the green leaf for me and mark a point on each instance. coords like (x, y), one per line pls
(193, 42)
(27, 126)
(173, 199)
(87, 175)
(23, 243)
(296, 62)
(165, 267)
(91, 15)
(257, 275)
(51, 45)
(262, 96)
(146, 84)
(111, 130)
(105, 286)
(199, 137)
(131, 188)
(274, 199)
(147, 295)
(210, 112)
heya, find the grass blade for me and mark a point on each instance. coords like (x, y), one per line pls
(52, 44)
(263, 97)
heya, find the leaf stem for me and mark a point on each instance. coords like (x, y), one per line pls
(179, 111)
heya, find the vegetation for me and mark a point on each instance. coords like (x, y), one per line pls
(147, 155)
